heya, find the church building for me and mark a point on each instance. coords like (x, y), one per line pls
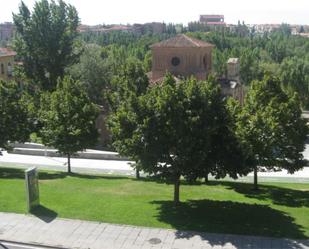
(184, 56)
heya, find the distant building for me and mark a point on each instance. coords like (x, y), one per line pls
(155, 27)
(184, 56)
(304, 35)
(6, 63)
(213, 20)
(268, 28)
(230, 84)
(233, 69)
(6, 31)
(138, 28)
(102, 28)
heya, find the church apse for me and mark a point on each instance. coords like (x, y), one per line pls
(182, 56)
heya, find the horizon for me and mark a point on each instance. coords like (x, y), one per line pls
(95, 12)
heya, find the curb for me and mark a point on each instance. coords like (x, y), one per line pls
(34, 246)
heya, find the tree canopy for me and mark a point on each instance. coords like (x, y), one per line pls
(15, 124)
(94, 71)
(45, 40)
(178, 129)
(68, 118)
(271, 127)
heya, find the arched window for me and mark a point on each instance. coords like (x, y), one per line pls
(10, 70)
(2, 69)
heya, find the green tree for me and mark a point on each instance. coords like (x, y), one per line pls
(277, 47)
(130, 82)
(271, 128)
(148, 61)
(45, 40)
(15, 124)
(294, 74)
(93, 71)
(248, 65)
(219, 62)
(127, 86)
(174, 130)
(68, 118)
(285, 29)
(301, 30)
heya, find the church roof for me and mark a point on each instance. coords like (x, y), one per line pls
(182, 41)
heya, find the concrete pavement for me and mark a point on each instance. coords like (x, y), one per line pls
(124, 167)
(77, 234)
(60, 164)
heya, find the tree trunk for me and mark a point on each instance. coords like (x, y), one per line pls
(176, 190)
(255, 179)
(69, 163)
(137, 174)
(206, 178)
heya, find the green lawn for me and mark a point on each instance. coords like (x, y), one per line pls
(279, 209)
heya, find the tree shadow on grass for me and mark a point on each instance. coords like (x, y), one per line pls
(90, 176)
(13, 173)
(228, 217)
(43, 213)
(277, 195)
(160, 180)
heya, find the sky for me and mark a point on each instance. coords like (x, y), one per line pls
(178, 11)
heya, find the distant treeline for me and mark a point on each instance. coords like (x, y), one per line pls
(279, 53)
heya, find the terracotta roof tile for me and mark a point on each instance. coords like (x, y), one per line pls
(180, 41)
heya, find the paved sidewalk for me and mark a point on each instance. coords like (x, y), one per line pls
(117, 167)
(60, 164)
(65, 233)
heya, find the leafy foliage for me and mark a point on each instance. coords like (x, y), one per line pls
(45, 40)
(178, 129)
(94, 71)
(68, 118)
(271, 127)
(258, 52)
(129, 83)
(294, 74)
(14, 122)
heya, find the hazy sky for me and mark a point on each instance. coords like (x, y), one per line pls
(140, 11)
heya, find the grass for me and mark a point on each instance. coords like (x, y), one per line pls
(278, 210)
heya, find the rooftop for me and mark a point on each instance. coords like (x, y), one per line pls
(212, 16)
(181, 41)
(7, 52)
(216, 23)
